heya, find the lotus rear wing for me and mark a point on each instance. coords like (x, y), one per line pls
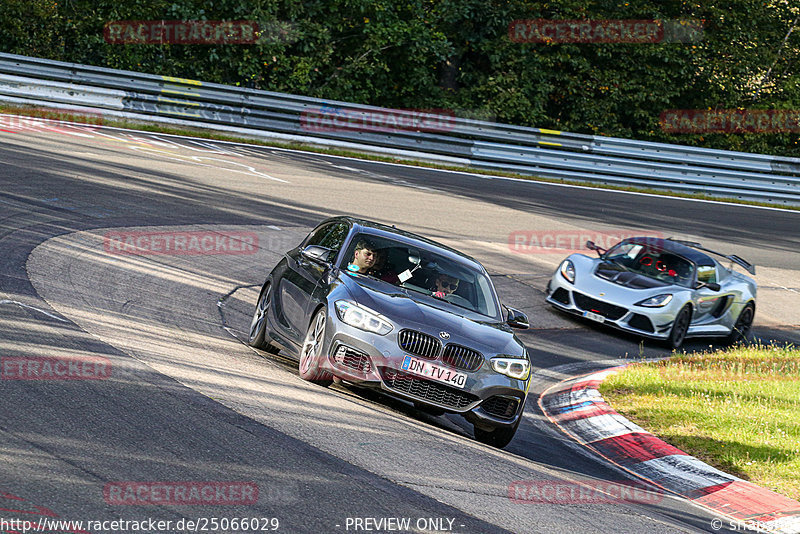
(746, 265)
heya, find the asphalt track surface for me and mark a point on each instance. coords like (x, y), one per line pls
(186, 400)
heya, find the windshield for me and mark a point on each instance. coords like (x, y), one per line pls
(422, 271)
(652, 262)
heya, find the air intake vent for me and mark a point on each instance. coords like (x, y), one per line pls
(607, 310)
(502, 407)
(354, 359)
(426, 389)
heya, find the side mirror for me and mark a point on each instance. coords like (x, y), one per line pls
(713, 286)
(316, 253)
(517, 319)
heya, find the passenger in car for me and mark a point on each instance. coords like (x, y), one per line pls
(364, 257)
(369, 260)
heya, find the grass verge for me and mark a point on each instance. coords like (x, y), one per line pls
(37, 112)
(735, 409)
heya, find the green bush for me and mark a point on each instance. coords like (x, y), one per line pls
(457, 54)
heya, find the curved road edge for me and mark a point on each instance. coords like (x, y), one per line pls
(576, 407)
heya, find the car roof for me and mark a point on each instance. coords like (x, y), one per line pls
(696, 256)
(382, 230)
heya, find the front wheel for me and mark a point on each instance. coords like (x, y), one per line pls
(258, 326)
(311, 355)
(741, 330)
(680, 327)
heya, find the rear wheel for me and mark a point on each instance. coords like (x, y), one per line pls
(499, 437)
(680, 327)
(311, 356)
(741, 330)
(258, 326)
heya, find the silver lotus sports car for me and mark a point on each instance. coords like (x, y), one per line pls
(658, 288)
(374, 306)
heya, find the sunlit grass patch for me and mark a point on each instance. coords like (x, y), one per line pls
(738, 409)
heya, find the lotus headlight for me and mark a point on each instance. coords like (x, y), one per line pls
(518, 368)
(568, 271)
(656, 302)
(362, 317)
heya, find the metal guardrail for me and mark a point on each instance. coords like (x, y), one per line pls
(475, 143)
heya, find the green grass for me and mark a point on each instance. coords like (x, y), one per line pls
(737, 409)
(208, 134)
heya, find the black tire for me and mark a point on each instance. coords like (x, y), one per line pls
(311, 357)
(258, 326)
(680, 326)
(499, 437)
(741, 330)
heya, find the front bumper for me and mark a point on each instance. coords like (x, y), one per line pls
(653, 323)
(488, 399)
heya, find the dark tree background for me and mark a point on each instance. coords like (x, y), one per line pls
(457, 54)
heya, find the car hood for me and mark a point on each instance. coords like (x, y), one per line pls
(407, 309)
(617, 274)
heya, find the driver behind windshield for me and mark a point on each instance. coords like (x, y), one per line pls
(652, 262)
(444, 285)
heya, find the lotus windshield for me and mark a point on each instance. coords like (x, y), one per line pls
(422, 271)
(652, 262)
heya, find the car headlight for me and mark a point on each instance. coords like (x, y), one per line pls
(656, 302)
(362, 317)
(568, 271)
(518, 368)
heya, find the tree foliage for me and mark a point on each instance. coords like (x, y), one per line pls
(457, 54)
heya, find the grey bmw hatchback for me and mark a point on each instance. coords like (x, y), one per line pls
(367, 304)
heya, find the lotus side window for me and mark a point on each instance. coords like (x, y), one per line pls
(707, 274)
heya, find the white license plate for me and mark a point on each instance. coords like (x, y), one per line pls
(434, 372)
(594, 316)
